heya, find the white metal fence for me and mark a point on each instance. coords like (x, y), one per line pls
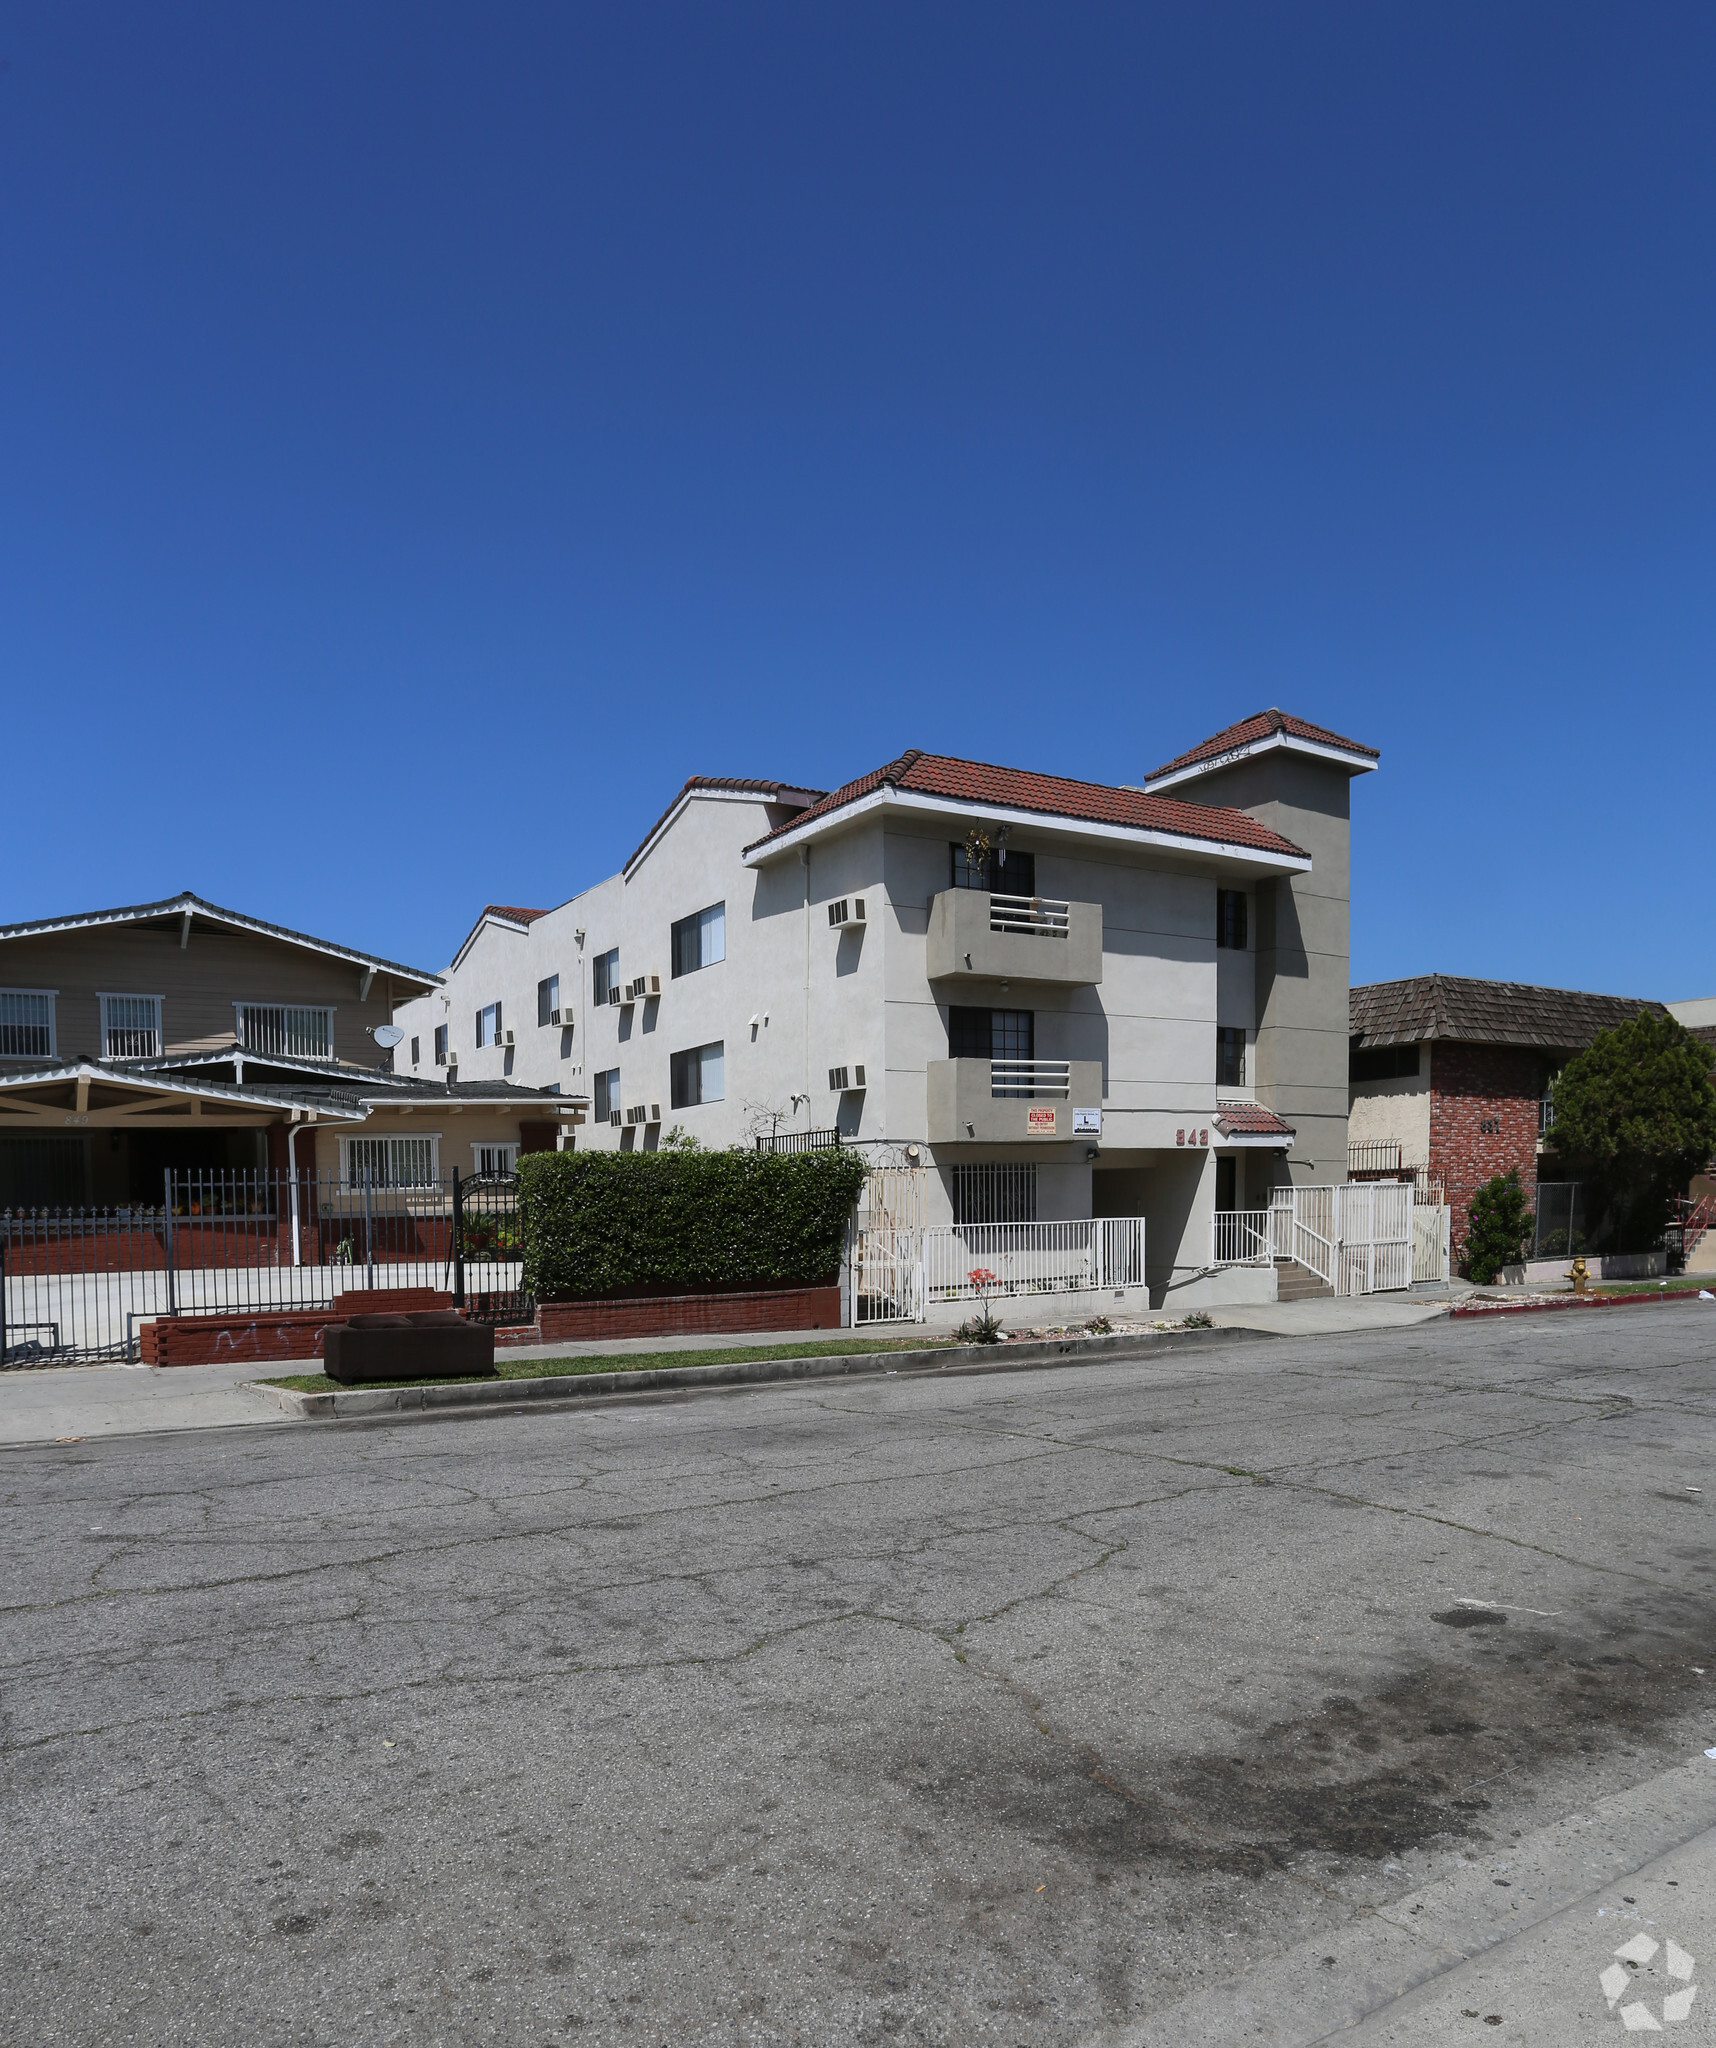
(1029, 1078)
(1363, 1237)
(1030, 914)
(1243, 1237)
(898, 1274)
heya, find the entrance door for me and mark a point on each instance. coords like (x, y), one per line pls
(1227, 1183)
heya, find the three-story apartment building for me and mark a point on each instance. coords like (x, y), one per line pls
(1060, 998)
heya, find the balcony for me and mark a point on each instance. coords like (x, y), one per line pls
(1008, 1102)
(977, 936)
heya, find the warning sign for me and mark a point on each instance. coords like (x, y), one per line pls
(1040, 1123)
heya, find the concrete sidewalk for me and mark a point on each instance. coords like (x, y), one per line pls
(1329, 1317)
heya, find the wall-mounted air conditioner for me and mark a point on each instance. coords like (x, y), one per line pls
(644, 989)
(614, 995)
(637, 1114)
(845, 1080)
(506, 1040)
(846, 911)
(654, 1116)
(614, 1118)
(561, 1017)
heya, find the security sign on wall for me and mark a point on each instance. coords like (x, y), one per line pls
(1087, 1123)
(1041, 1123)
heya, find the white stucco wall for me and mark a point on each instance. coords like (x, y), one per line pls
(1394, 1112)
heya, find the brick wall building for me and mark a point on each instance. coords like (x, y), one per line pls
(1450, 1075)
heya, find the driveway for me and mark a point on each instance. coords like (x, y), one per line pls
(1050, 1707)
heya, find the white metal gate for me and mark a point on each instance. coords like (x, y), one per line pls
(898, 1273)
(1360, 1238)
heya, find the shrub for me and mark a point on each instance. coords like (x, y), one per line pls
(1498, 1227)
(603, 1222)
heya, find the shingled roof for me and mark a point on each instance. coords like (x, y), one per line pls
(1052, 796)
(1259, 726)
(1485, 1012)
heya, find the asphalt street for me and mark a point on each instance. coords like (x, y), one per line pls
(1015, 1710)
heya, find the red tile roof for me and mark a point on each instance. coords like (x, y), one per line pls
(743, 785)
(512, 911)
(1054, 796)
(1246, 1119)
(1258, 727)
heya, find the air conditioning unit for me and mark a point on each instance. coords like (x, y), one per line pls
(643, 989)
(560, 1017)
(654, 1116)
(845, 1080)
(506, 1040)
(637, 1114)
(846, 911)
(614, 995)
(614, 1118)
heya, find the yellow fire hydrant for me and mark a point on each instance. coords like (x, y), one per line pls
(1580, 1276)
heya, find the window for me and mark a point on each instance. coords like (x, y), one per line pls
(494, 1158)
(604, 974)
(1230, 1056)
(389, 1162)
(416, 1051)
(489, 1025)
(699, 1076)
(131, 1027)
(990, 1034)
(1230, 917)
(1004, 1192)
(290, 1032)
(700, 940)
(1006, 871)
(1381, 1062)
(26, 1023)
(607, 1090)
(440, 1045)
(548, 1000)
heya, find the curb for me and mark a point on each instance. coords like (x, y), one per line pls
(745, 1372)
(1537, 1308)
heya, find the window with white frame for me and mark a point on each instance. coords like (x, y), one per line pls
(548, 1000)
(130, 1027)
(1230, 1055)
(489, 1025)
(494, 1158)
(440, 1045)
(27, 1023)
(700, 940)
(288, 1030)
(416, 1051)
(698, 1076)
(604, 975)
(607, 1090)
(390, 1162)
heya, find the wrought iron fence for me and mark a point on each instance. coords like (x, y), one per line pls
(76, 1282)
(799, 1141)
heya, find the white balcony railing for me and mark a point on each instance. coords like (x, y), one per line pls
(1243, 1237)
(1039, 914)
(1026, 1078)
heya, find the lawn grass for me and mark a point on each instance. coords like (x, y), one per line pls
(631, 1361)
(1680, 1283)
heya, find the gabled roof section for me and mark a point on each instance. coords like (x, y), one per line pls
(512, 913)
(510, 917)
(192, 908)
(1453, 1007)
(741, 787)
(981, 786)
(1252, 1120)
(1255, 735)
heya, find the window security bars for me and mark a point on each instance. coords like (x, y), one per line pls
(1367, 1157)
(1039, 914)
(388, 1162)
(131, 1027)
(26, 1024)
(995, 1191)
(287, 1031)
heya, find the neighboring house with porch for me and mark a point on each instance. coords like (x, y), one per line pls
(1450, 1077)
(180, 1036)
(1060, 999)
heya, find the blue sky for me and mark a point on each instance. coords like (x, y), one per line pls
(431, 435)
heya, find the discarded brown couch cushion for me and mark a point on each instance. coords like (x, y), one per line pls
(421, 1344)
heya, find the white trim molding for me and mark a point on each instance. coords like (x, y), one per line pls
(21, 1023)
(108, 1027)
(1341, 757)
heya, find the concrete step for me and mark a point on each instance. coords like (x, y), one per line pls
(1294, 1282)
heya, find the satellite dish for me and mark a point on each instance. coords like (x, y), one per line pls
(388, 1035)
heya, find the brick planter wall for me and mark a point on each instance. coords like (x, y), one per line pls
(270, 1336)
(1471, 1085)
(688, 1315)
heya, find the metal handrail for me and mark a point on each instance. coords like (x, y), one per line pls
(1041, 914)
(1243, 1237)
(1030, 1077)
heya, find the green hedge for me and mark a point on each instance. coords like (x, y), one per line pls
(599, 1222)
